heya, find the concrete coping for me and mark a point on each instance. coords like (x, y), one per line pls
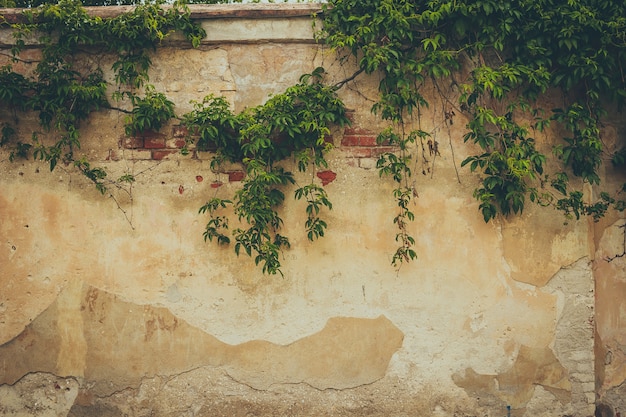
(224, 23)
(201, 11)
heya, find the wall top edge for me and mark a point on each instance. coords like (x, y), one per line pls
(200, 11)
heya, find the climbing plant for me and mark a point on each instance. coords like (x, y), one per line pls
(63, 91)
(494, 61)
(294, 123)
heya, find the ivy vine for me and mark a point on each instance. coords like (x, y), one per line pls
(499, 59)
(293, 124)
(493, 61)
(63, 92)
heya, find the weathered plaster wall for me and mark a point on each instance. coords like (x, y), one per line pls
(108, 310)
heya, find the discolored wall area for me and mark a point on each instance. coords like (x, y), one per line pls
(116, 306)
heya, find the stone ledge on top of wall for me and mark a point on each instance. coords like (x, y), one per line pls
(201, 11)
(241, 23)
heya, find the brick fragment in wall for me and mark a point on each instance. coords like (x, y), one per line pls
(131, 142)
(176, 143)
(379, 150)
(154, 142)
(234, 176)
(359, 140)
(160, 154)
(113, 155)
(179, 131)
(326, 176)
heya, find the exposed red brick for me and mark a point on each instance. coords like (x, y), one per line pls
(359, 140)
(216, 184)
(379, 150)
(179, 131)
(113, 155)
(234, 176)
(199, 178)
(326, 176)
(160, 154)
(154, 142)
(176, 143)
(181, 189)
(131, 142)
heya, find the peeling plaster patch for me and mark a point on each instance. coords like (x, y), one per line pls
(537, 246)
(612, 243)
(563, 368)
(208, 392)
(610, 273)
(124, 342)
(38, 394)
(541, 404)
(516, 386)
(574, 334)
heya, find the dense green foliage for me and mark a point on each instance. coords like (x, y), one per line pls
(37, 3)
(63, 91)
(294, 123)
(495, 61)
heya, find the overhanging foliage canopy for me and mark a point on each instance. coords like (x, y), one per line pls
(495, 61)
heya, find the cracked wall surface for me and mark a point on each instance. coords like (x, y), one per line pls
(122, 309)
(112, 345)
(611, 319)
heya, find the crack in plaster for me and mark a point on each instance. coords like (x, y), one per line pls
(125, 343)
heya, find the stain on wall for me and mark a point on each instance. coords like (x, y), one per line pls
(152, 320)
(122, 343)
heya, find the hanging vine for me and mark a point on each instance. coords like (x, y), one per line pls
(63, 92)
(294, 123)
(498, 59)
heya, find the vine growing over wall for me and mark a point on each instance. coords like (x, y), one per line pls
(294, 123)
(63, 91)
(494, 61)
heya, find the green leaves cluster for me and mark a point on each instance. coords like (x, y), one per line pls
(494, 61)
(292, 124)
(64, 89)
(491, 60)
(149, 113)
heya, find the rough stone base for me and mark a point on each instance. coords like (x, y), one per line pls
(210, 392)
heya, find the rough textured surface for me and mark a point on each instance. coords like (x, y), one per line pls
(39, 394)
(113, 344)
(611, 319)
(120, 303)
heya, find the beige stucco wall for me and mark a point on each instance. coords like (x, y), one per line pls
(118, 306)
